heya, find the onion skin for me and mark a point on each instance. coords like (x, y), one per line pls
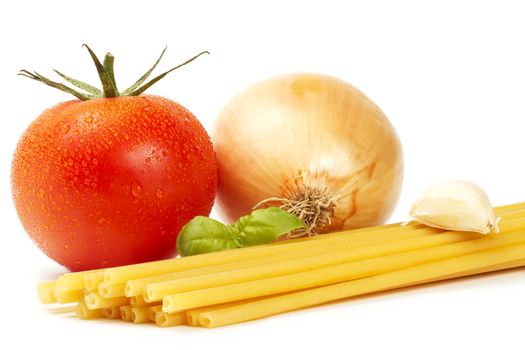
(299, 131)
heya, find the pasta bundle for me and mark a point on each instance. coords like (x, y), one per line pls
(233, 286)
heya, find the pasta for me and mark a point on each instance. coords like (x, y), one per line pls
(69, 296)
(118, 275)
(111, 291)
(333, 274)
(137, 301)
(156, 291)
(163, 319)
(486, 269)
(136, 287)
(84, 313)
(390, 280)
(96, 301)
(92, 280)
(233, 286)
(73, 280)
(192, 316)
(111, 313)
(125, 313)
(249, 272)
(139, 314)
(46, 292)
(152, 311)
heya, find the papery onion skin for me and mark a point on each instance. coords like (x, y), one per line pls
(308, 131)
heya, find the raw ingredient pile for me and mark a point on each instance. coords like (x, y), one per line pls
(232, 286)
(305, 170)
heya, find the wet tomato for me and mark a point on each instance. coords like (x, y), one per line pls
(111, 181)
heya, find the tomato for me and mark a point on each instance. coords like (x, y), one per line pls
(111, 181)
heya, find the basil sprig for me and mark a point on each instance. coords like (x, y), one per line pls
(205, 235)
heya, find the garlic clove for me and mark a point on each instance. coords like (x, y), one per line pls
(456, 205)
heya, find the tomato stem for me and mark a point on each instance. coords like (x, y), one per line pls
(59, 86)
(106, 75)
(108, 86)
(159, 77)
(109, 60)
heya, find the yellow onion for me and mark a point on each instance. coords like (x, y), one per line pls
(313, 145)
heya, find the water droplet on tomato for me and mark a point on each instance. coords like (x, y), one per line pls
(159, 193)
(41, 192)
(66, 128)
(88, 119)
(136, 190)
(165, 152)
(102, 221)
(66, 246)
(147, 160)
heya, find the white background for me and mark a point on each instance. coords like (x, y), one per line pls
(449, 74)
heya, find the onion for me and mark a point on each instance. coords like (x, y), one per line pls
(313, 145)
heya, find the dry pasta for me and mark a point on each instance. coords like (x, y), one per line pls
(157, 291)
(92, 280)
(46, 292)
(68, 296)
(111, 291)
(391, 280)
(152, 311)
(333, 274)
(125, 313)
(120, 275)
(96, 301)
(233, 286)
(163, 319)
(84, 313)
(111, 313)
(136, 287)
(139, 314)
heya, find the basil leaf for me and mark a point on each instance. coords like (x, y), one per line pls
(265, 226)
(205, 235)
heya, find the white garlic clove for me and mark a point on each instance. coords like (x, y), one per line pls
(456, 205)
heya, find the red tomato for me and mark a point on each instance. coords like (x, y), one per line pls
(111, 181)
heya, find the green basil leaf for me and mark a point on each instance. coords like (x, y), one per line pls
(205, 235)
(265, 226)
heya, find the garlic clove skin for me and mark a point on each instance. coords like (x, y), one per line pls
(456, 205)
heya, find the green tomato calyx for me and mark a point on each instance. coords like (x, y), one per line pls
(107, 78)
